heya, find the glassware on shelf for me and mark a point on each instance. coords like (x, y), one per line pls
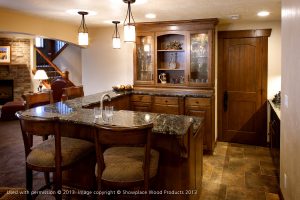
(199, 58)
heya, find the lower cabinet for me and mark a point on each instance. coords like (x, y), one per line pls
(203, 107)
(193, 106)
(168, 105)
(141, 102)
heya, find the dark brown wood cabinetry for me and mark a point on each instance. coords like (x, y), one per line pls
(141, 102)
(274, 133)
(181, 51)
(177, 56)
(169, 105)
(203, 107)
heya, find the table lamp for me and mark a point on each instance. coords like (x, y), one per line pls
(40, 75)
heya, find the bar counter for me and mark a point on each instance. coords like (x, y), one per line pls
(178, 138)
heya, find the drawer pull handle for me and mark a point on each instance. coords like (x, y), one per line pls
(197, 102)
(166, 101)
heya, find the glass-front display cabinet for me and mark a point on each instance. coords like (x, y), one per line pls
(144, 58)
(171, 58)
(200, 72)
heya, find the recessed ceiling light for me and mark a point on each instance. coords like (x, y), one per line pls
(234, 17)
(150, 16)
(263, 13)
(75, 12)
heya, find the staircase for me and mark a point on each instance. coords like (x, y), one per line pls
(44, 62)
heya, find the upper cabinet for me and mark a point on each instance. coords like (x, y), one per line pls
(170, 58)
(177, 54)
(144, 59)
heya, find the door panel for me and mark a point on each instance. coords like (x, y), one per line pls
(241, 77)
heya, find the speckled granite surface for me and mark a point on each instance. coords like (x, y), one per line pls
(72, 110)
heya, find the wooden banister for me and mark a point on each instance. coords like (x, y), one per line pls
(64, 75)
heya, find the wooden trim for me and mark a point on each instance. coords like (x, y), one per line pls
(182, 25)
(281, 197)
(244, 33)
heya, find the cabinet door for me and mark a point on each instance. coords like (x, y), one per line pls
(140, 103)
(200, 70)
(144, 59)
(202, 107)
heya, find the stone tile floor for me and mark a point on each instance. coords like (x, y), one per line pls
(239, 172)
(233, 172)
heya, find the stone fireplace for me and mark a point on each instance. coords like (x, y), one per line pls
(18, 71)
(6, 91)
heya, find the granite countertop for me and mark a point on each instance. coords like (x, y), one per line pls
(275, 107)
(74, 111)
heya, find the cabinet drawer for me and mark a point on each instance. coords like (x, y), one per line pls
(166, 100)
(197, 101)
(141, 98)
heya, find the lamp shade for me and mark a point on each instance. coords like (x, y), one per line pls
(83, 38)
(129, 33)
(116, 42)
(40, 75)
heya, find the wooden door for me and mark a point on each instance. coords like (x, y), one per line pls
(243, 86)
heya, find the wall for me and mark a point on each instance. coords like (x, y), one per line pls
(24, 23)
(290, 115)
(103, 66)
(274, 50)
(20, 68)
(70, 60)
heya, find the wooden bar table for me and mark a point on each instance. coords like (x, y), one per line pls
(178, 138)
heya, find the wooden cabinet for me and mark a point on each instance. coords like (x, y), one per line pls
(274, 133)
(167, 104)
(141, 102)
(144, 58)
(171, 57)
(203, 107)
(183, 54)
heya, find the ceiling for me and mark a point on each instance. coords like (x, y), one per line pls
(108, 10)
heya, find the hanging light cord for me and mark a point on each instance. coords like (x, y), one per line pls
(117, 35)
(83, 26)
(129, 15)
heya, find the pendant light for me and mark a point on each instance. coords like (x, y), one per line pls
(129, 25)
(116, 41)
(83, 36)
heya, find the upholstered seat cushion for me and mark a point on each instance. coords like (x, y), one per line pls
(125, 164)
(72, 150)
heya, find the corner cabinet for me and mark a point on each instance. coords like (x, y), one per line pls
(175, 54)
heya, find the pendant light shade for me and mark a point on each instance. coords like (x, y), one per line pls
(116, 41)
(129, 23)
(83, 36)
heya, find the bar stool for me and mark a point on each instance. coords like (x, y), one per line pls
(72, 92)
(51, 155)
(129, 162)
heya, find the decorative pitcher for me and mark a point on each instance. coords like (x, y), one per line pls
(163, 78)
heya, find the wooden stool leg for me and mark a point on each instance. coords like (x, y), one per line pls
(58, 185)
(47, 178)
(29, 183)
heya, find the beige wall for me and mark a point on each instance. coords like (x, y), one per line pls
(290, 115)
(274, 50)
(70, 60)
(103, 66)
(24, 23)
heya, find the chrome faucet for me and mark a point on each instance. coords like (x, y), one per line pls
(101, 102)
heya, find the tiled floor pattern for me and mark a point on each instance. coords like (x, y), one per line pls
(239, 172)
(234, 172)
